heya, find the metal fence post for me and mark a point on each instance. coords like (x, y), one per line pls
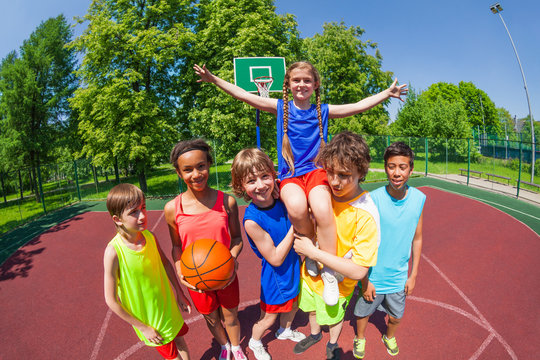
(426, 148)
(468, 159)
(519, 172)
(77, 179)
(41, 189)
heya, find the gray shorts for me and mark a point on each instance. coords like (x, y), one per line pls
(392, 304)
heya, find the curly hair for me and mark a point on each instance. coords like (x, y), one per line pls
(188, 145)
(346, 150)
(245, 163)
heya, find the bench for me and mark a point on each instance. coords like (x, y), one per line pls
(499, 177)
(479, 173)
(530, 184)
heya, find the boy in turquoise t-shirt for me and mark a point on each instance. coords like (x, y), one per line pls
(138, 277)
(401, 212)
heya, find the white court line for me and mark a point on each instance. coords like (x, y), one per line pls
(140, 344)
(487, 325)
(105, 324)
(482, 347)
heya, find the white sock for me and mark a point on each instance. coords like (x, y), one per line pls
(226, 346)
(235, 347)
(255, 343)
(284, 330)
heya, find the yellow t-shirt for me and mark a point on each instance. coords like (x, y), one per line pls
(358, 229)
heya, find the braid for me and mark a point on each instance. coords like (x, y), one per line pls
(319, 116)
(286, 150)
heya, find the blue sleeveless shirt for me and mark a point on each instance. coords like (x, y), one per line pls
(282, 283)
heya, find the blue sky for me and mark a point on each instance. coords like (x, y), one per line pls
(421, 41)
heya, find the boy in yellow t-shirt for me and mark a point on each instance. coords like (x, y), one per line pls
(346, 161)
(138, 277)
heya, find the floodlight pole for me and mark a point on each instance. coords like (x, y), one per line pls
(496, 9)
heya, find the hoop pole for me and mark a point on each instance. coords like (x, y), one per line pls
(258, 129)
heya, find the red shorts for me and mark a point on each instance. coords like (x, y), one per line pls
(170, 351)
(307, 181)
(208, 301)
(281, 308)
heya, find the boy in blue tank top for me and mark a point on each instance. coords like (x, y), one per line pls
(401, 212)
(270, 235)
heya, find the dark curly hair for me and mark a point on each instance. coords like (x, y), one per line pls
(346, 150)
(188, 145)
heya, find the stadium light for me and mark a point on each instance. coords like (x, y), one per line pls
(496, 9)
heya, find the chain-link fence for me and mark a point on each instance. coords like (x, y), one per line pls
(31, 192)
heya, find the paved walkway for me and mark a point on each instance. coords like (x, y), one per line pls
(524, 194)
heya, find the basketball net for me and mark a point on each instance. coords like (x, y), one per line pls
(263, 84)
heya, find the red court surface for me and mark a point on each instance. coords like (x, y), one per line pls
(476, 297)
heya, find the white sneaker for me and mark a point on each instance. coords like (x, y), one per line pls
(331, 289)
(259, 352)
(311, 267)
(292, 335)
(239, 355)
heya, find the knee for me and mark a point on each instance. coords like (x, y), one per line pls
(394, 321)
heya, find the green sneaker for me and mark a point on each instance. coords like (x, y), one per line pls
(391, 345)
(359, 348)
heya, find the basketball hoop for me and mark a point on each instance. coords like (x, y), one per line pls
(263, 84)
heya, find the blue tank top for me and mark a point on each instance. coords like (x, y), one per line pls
(303, 132)
(399, 219)
(282, 283)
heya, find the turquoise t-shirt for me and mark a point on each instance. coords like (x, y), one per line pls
(399, 219)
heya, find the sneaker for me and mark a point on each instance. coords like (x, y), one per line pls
(305, 344)
(391, 345)
(311, 267)
(359, 348)
(259, 352)
(333, 353)
(239, 355)
(292, 335)
(225, 354)
(331, 289)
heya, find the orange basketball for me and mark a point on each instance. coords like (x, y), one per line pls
(207, 264)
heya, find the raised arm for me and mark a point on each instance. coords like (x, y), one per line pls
(275, 255)
(261, 103)
(341, 111)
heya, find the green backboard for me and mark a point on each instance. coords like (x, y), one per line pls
(248, 68)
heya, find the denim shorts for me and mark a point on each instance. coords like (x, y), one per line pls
(392, 304)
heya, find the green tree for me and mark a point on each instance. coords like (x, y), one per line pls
(226, 29)
(127, 108)
(350, 70)
(507, 124)
(481, 111)
(35, 88)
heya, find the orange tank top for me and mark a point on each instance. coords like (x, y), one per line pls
(212, 224)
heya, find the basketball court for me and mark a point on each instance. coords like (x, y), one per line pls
(476, 296)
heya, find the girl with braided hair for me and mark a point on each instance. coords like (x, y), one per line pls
(302, 129)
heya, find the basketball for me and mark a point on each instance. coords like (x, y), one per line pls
(207, 264)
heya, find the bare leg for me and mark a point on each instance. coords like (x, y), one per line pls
(232, 325)
(213, 321)
(361, 325)
(265, 321)
(392, 326)
(183, 353)
(320, 202)
(286, 319)
(335, 331)
(297, 208)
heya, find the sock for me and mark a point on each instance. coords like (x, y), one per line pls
(283, 330)
(254, 343)
(331, 346)
(226, 346)
(317, 337)
(235, 347)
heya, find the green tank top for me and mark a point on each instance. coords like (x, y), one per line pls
(144, 288)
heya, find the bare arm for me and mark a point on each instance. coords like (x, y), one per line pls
(234, 226)
(176, 243)
(258, 102)
(304, 246)
(275, 255)
(110, 264)
(341, 111)
(416, 251)
(183, 302)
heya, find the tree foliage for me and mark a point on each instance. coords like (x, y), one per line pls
(227, 29)
(350, 70)
(35, 88)
(128, 102)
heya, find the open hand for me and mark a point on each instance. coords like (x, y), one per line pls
(396, 91)
(204, 73)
